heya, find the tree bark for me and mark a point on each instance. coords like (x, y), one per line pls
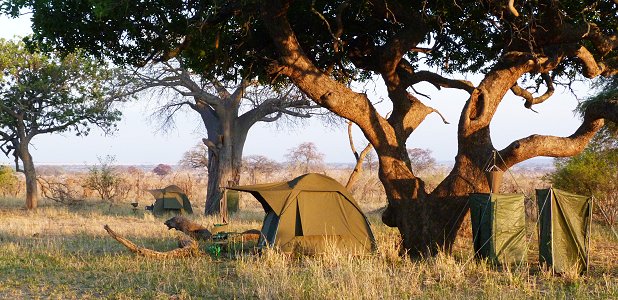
(224, 160)
(32, 195)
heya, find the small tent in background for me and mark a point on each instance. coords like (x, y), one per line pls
(564, 229)
(498, 227)
(170, 200)
(310, 213)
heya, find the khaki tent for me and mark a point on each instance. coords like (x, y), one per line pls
(310, 213)
(498, 227)
(170, 200)
(564, 229)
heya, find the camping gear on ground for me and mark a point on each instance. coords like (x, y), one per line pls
(309, 214)
(171, 199)
(498, 227)
(564, 230)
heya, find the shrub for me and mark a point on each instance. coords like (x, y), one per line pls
(8, 181)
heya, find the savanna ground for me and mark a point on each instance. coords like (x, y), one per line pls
(62, 252)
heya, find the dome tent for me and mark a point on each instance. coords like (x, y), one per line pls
(171, 199)
(309, 213)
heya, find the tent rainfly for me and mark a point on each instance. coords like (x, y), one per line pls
(564, 229)
(171, 199)
(498, 227)
(309, 214)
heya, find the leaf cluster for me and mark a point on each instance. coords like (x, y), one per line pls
(44, 93)
(228, 38)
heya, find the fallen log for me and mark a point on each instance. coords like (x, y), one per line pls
(187, 248)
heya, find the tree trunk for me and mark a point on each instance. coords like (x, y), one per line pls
(429, 223)
(224, 162)
(32, 196)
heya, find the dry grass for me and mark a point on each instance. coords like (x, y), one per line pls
(64, 253)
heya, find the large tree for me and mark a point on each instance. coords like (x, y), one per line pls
(228, 111)
(321, 45)
(41, 94)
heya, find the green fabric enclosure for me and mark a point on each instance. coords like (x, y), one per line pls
(498, 227)
(564, 230)
(171, 199)
(309, 214)
(232, 198)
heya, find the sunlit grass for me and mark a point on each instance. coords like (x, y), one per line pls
(63, 253)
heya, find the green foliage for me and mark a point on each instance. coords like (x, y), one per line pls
(228, 38)
(47, 93)
(8, 180)
(593, 172)
(105, 180)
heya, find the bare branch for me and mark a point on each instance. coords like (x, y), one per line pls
(293, 113)
(358, 167)
(356, 157)
(273, 118)
(187, 249)
(512, 8)
(436, 80)
(531, 100)
(439, 114)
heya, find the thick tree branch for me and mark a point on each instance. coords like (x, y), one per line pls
(591, 67)
(541, 145)
(238, 94)
(436, 80)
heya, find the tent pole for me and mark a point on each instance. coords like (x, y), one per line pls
(223, 207)
(551, 228)
(590, 233)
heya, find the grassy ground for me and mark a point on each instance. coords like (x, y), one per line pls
(64, 253)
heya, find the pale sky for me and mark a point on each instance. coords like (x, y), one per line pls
(137, 141)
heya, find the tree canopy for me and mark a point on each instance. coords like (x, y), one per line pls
(225, 37)
(51, 94)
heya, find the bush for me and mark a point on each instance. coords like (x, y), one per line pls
(593, 172)
(106, 181)
(8, 181)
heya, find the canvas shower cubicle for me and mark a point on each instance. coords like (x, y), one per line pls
(564, 222)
